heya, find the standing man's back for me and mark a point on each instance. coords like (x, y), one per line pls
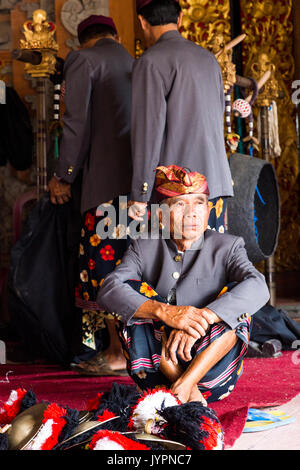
(185, 101)
(177, 106)
(97, 122)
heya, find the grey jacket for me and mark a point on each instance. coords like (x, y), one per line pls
(178, 115)
(203, 273)
(96, 133)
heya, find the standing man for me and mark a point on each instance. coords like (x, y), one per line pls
(177, 110)
(96, 141)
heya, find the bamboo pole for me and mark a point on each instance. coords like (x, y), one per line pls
(269, 262)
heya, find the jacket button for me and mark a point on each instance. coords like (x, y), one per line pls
(145, 188)
(176, 275)
(70, 170)
(178, 258)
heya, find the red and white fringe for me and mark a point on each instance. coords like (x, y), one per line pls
(48, 434)
(10, 409)
(112, 440)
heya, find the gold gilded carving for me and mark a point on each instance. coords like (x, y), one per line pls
(203, 18)
(39, 33)
(139, 49)
(224, 56)
(270, 90)
(269, 28)
(39, 37)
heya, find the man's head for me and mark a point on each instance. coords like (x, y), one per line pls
(156, 16)
(96, 27)
(184, 207)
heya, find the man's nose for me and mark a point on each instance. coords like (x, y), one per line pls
(189, 211)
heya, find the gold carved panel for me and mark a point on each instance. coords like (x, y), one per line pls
(203, 18)
(269, 28)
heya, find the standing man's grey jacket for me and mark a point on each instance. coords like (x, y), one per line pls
(198, 278)
(96, 132)
(178, 115)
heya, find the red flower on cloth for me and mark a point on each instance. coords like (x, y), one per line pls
(107, 253)
(89, 221)
(206, 394)
(92, 264)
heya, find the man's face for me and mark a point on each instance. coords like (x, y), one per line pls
(188, 216)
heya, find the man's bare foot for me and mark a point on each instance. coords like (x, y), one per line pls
(115, 361)
(186, 393)
(181, 390)
(102, 360)
(196, 395)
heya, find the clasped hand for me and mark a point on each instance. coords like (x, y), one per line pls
(189, 325)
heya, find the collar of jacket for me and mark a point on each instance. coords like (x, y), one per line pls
(196, 246)
(103, 41)
(169, 35)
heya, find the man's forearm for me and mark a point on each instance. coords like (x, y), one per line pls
(152, 310)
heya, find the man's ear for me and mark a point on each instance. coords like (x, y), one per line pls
(179, 21)
(143, 22)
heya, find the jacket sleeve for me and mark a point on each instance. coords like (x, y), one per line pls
(250, 292)
(148, 121)
(115, 296)
(75, 140)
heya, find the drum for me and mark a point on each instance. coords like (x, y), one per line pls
(254, 211)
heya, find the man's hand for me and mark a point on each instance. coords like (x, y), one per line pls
(194, 321)
(60, 192)
(136, 210)
(179, 343)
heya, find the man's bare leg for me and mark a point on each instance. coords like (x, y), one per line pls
(202, 364)
(114, 353)
(167, 367)
(173, 372)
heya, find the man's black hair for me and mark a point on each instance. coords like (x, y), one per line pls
(161, 12)
(95, 31)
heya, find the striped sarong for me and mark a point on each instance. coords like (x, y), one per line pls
(141, 343)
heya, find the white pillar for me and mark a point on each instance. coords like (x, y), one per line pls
(2, 353)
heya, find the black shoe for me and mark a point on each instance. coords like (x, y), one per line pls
(254, 350)
(272, 348)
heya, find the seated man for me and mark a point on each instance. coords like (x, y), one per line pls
(177, 330)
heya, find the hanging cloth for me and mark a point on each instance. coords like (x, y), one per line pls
(274, 144)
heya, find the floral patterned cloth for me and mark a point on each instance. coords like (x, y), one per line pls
(141, 343)
(97, 258)
(217, 214)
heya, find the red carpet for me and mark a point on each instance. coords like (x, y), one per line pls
(265, 382)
